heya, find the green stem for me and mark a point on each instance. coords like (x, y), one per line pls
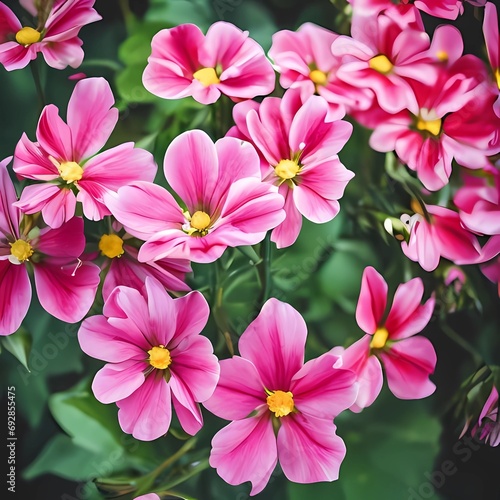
(464, 344)
(35, 71)
(103, 63)
(264, 268)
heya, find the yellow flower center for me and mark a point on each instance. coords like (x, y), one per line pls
(21, 250)
(280, 403)
(497, 77)
(27, 36)
(200, 220)
(318, 77)
(207, 76)
(379, 338)
(431, 126)
(70, 171)
(111, 245)
(287, 169)
(442, 55)
(159, 357)
(381, 64)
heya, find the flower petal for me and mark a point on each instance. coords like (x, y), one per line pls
(372, 300)
(54, 135)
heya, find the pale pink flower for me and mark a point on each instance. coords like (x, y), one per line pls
(492, 39)
(65, 161)
(304, 60)
(454, 119)
(478, 202)
(269, 389)
(155, 358)
(55, 34)
(226, 204)
(184, 62)
(122, 267)
(65, 285)
(299, 144)
(407, 360)
(148, 496)
(488, 424)
(439, 233)
(384, 54)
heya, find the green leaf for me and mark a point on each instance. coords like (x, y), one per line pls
(129, 84)
(19, 345)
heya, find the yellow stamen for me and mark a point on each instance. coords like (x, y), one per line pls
(200, 220)
(159, 357)
(70, 171)
(497, 77)
(111, 245)
(442, 55)
(21, 250)
(379, 338)
(207, 76)
(431, 126)
(27, 36)
(381, 64)
(318, 77)
(280, 403)
(287, 169)
(416, 206)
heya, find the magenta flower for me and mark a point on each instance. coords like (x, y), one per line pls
(55, 34)
(155, 357)
(270, 388)
(298, 143)
(65, 285)
(226, 204)
(304, 60)
(488, 424)
(439, 234)
(491, 37)
(408, 360)
(123, 268)
(63, 158)
(184, 62)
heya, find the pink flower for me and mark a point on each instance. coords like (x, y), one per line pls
(123, 268)
(55, 35)
(269, 389)
(384, 53)
(149, 496)
(65, 285)
(305, 61)
(298, 144)
(155, 356)
(491, 258)
(184, 62)
(491, 37)
(454, 119)
(488, 424)
(63, 158)
(479, 202)
(408, 361)
(439, 234)
(226, 204)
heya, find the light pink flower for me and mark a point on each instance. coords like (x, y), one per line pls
(123, 268)
(439, 234)
(488, 424)
(226, 204)
(55, 35)
(492, 39)
(384, 54)
(270, 388)
(65, 285)
(454, 119)
(148, 496)
(478, 202)
(304, 60)
(408, 360)
(298, 143)
(155, 357)
(63, 158)
(184, 62)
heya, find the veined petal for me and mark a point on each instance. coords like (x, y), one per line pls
(91, 116)
(188, 412)
(63, 53)
(147, 412)
(161, 311)
(246, 450)
(274, 342)
(31, 162)
(66, 241)
(239, 392)
(54, 135)
(10, 216)
(372, 300)
(286, 233)
(314, 440)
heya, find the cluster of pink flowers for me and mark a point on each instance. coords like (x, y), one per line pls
(423, 99)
